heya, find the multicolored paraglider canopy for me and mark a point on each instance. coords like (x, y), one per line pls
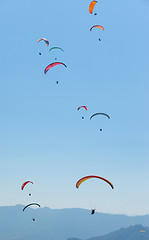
(97, 26)
(93, 176)
(45, 40)
(52, 65)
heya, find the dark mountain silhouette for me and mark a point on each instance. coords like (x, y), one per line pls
(60, 224)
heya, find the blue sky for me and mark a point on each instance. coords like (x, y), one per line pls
(43, 137)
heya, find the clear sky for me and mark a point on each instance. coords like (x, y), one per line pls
(42, 135)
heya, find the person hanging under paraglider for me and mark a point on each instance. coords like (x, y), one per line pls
(92, 211)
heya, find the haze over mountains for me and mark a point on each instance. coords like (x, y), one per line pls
(62, 224)
(136, 232)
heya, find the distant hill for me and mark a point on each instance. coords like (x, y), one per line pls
(61, 224)
(137, 232)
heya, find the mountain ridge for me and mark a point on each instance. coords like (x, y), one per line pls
(60, 224)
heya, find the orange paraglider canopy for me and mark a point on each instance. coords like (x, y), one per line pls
(91, 6)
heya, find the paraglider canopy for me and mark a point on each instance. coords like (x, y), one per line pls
(93, 176)
(24, 184)
(45, 40)
(56, 48)
(52, 65)
(36, 204)
(97, 26)
(82, 107)
(96, 114)
(91, 6)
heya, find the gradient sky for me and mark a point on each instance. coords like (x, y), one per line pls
(42, 135)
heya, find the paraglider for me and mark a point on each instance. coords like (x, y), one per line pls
(45, 40)
(53, 48)
(81, 180)
(90, 177)
(36, 204)
(52, 65)
(24, 184)
(56, 48)
(97, 26)
(91, 6)
(96, 114)
(82, 107)
(142, 233)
